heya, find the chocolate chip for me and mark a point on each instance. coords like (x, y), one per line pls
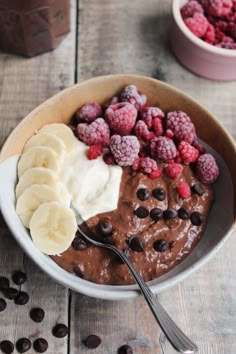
(104, 228)
(19, 278)
(156, 214)
(3, 304)
(161, 245)
(136, 243)
(92, 341)
(159, 194)
(10, 293)
(78, 272)
(40, 345)
(125, 349)
(196, 218)
(143, 194)
(141, 212)
(37, 314)
(183, 214)
(60, 330)
(23, 345)
(7, 347)
(4, 283)
(169, 214)
(197, 189)
(79, 244)
(22, 298)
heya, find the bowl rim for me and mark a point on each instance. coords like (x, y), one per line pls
(104, 292)
(231, 53)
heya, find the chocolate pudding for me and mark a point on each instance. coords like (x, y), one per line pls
(155, 227)
(30, 27)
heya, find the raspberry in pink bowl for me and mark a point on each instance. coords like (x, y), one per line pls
(203, 37)
(165, 191)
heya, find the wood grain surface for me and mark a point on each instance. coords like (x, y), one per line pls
(117, 37)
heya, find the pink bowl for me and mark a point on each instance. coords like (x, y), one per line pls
(198, 56)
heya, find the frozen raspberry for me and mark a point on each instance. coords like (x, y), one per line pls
(181, 125)
(162, 148)
(94, 151)
(184, 190)
(197, 24)
(124, 149)
(219, 7)
(157, 126)
(169, 133)
(155, 173)
(192, 7)
(234, 5)
(97, 132)
(227, 39)
(146, 165)
(150, 113)
(187, 152)
(173, 170)
(142, 132)
(121, 117)
(135, 165)
(109, 159)
(199, 147)
(89, 112)
(210, 35)
(207, 169)
(132, 95)
(227, 45)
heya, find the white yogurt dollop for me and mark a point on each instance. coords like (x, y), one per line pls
(93, 185)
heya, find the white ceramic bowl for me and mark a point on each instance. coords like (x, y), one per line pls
(60, 108)
(198, 56)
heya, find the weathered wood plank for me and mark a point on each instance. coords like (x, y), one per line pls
(132, 37)
(24, 83)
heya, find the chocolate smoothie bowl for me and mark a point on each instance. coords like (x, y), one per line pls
(127, 153)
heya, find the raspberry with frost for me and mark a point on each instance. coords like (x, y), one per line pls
(121, 117)
(150, 113)
(197, 24)
(134, 96)
(184, 190)
(142, 132)
(97, 132)
(89, 112)
(207, 169)
(157, 126)
(163, 149)
(182, 127)
(192, 7)
(124, 149)
(187, 152)
(173, 170)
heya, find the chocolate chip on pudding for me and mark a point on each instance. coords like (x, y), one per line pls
(161, 245)
(143, 194)
(156, 214)
(159, 194)
(136, 243)
(141, 212)
(183, 214)
(169, 214)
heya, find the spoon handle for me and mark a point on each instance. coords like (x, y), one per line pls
(176, 337)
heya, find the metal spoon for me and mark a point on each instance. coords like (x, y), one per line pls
(173, 333)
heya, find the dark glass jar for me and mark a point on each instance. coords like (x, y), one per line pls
(31, 27)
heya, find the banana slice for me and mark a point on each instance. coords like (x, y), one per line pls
(63, 132)
(31, 199)
(38, 156)
(36, 175)
(48, 140)
(53, 227)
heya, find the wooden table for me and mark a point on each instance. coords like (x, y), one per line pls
(116, 37)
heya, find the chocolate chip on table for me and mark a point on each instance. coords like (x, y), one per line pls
(159, 194)
(7, 347)
(4, 283)
(161, 245)
(79, 244)
(40, 345)
(10, 293)
(125, 349)
(37, 314)
(104, 228)
(22, 298)
(183, 214)
(136, 243)
(156, 214)
(197, 189)
(19, 278)
(60, 330)
(141, 212)
(169, 214)
(143, 194)
(3, 304)
(92, 341)
(196, 218)
(23, 345)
